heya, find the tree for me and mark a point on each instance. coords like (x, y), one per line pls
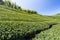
(1, 2)
(5, 0)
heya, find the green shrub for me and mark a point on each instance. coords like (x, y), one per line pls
(10, 30)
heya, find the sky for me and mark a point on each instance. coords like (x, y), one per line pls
(44, 7)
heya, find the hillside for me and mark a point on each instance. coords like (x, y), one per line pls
(20, 24)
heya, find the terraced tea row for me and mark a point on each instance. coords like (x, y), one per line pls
(10, 30)
(20, 25)
(10, 15)
(51, 34)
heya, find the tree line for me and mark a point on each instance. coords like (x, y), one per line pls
(15, 6)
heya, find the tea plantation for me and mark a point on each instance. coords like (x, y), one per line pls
(20, 24)
(51, 34)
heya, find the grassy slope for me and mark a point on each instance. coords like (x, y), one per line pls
(52, 33)
(22, 23)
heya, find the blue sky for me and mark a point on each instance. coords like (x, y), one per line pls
(44, 7)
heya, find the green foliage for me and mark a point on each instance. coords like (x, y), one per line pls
(20, 24)
(51, 34)
(18, 30)
(15, 15)
(12, 5)
(29, 11)
(18, 8)
(15, 24)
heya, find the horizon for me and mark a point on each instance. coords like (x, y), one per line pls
(44, 7)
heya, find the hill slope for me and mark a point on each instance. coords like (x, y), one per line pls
(21, 25)
(52, 33)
